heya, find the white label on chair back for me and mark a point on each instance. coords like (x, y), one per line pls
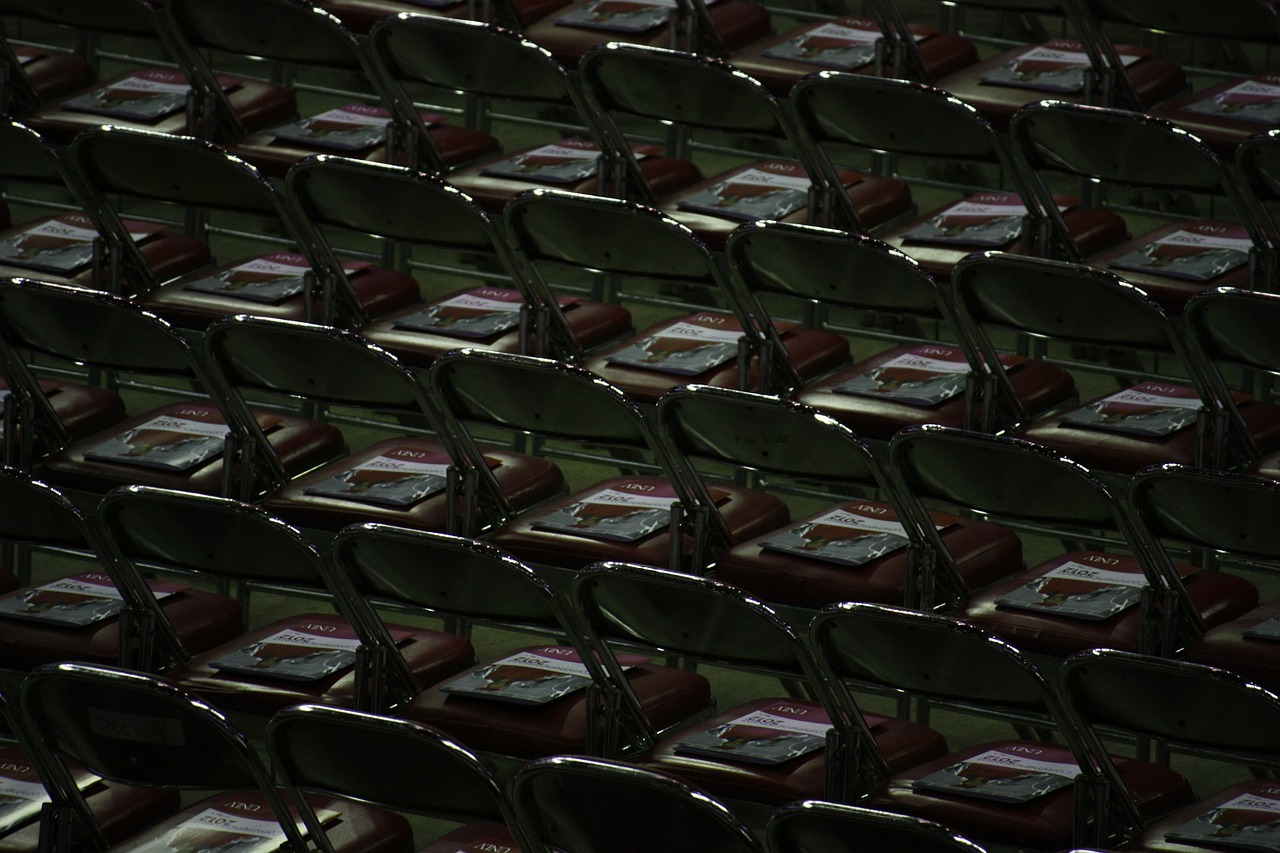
(136, 727)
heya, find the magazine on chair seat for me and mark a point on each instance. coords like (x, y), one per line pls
(1250, 821)
(63, 244)
(531, 676)
(75, 601)
(1007, 774)
(1197, 251)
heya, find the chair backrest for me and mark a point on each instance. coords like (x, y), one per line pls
(403, 765)
(1237, 20)
(814, 826)
(26, 156)
(135, 729)
(115, 163)
(590, 805)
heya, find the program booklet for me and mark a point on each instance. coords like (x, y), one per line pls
(1248, 822)
(986, 219)
(686, 348)
(310, 651)
(177, 441)
(531, 676)
(481, 312)
(353, 127)
(845, 43)
(1092, 587)
(1007, 774)
(923, 376)
(270, 279)
(1266, 630)
(568, 161)
(1150, 409)
(75, 601)
(1199, 251)
(777, 733)
(1055, 66)
(147, 96)
(1256, 100)
(397, 478)
(853, 534)
(769, 190)
(22, 794)
(626, 512)
(62, 244)
(619, 16)
(232, 826)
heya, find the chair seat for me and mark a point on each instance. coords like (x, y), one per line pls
(1040, 387)
(378, 290)
(1092, 231)
(737, 23)
(1223, 131)
(301, 445)
(258, 104)
(431, 655)
(664, 175)
(668, 696)
(355, 828)
(1217, 597)
(82, 409)
(1153, 837)
(592, 324)
(525, 480)
(1224, 645)
(904, 744)
(877, 201)
(1043, 823)
(202, 621)
(984, 553)
(746, 513)
(53, 73)
(1154, 79)
(812, 351)
(943, 54)
(456, 145)
(1172, 293)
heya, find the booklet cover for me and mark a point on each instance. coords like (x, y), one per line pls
(398, 478)
(310, 651)
(353, 127)
(75, 601)
(1055, 66)
(1266, 630)
(531, 676)
(270, 279)
(62, 244)
(568, 161)
(232, 826)
(479, 313)
(986, 219)
(619, 16)
(774, 734)
(1199, 251)
(1150, 409)
(845, 43)
(176, 442)
(1007, 774)
(687, 348)
(1093, 588)
(146, 95)
(627, 512)
(1255, 100)
(22, 794)
(1247, 822)
(923, 376)
(851, 535)
(766, 191)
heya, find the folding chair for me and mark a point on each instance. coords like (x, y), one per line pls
(306, 657)
(156, 98)
(814, 826)
(409, 208)
(303, 280)
(1216, 712)
(589, 805)
(528, 702)
(1225, 515)
(139, 729)
(192, 444)
(1115, 148)
(919, 121)
(770, 749)
(869, 548)
(1033, 795)
(315, 44)
(659, 520)
(34, 74)
(1183, 415)
(931, 379)
(1257, 162)
(701, 96)
(501, 67)
(404, 766)
(409, 479)
(561, 234)
(1081, 599)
